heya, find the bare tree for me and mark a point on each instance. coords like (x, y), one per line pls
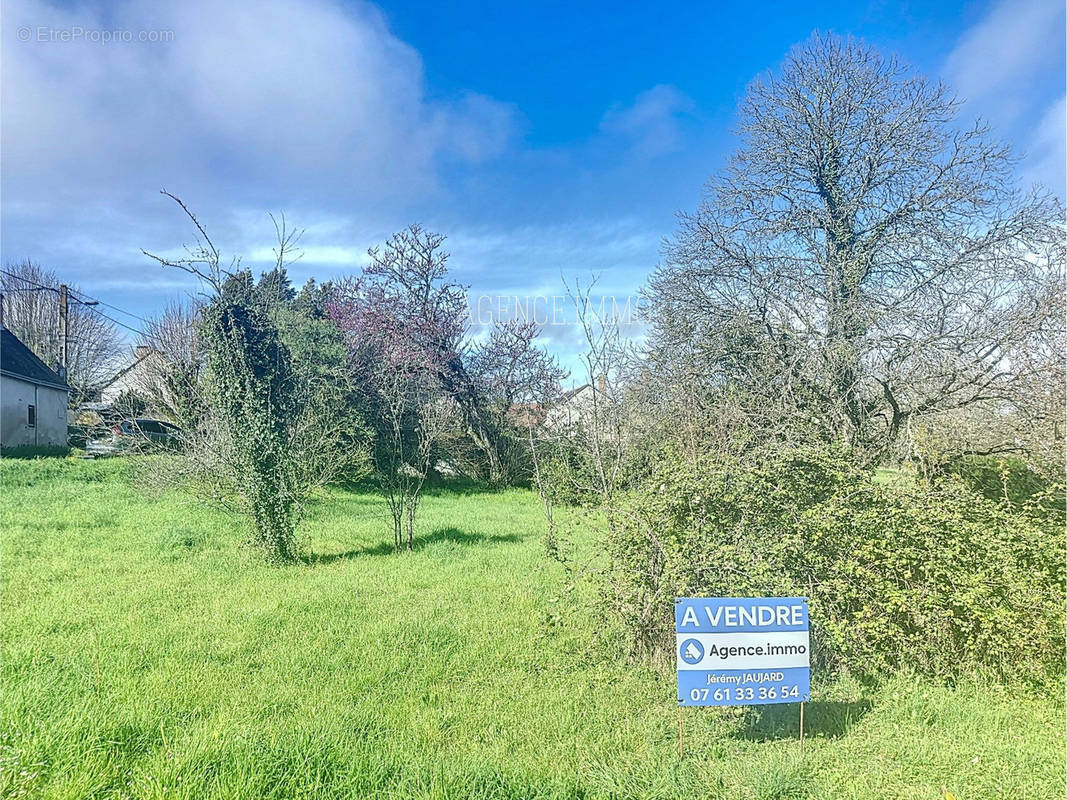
(865, 260)
(415, 417)
(31, 312)
(599, 426)
(175, 363)
(395, 366)
(1026, 423)
(579, 449)
(516, 381)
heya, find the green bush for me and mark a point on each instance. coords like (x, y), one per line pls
(937, 579)
(931, 578)
(723, 528)
(568, 474)
(1008, 479)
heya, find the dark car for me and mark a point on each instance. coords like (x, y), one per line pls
(136, 435)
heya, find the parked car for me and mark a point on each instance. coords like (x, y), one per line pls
(136, 435)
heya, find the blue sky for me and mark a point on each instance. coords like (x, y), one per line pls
(545, 139)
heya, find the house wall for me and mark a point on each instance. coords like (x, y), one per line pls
(573, 410)
(140, 378)
(15, 398)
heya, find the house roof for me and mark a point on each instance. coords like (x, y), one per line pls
(575, 392)
(18, 361)
(137, 361)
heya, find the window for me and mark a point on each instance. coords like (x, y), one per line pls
(31, 416)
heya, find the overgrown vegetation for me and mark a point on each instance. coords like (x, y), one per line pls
(272, 428)
(144, 654)
(283, 392)
(864, 287)
(851, 391)
(901, 575)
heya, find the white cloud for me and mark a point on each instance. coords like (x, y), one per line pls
(652, 122)
(323, 255)
(1001, 67)
(1017, 40)
(280, 97)
(1047, 151)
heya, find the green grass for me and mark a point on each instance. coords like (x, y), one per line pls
(147, 654)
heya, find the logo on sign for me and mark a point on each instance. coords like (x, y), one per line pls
(691, 651)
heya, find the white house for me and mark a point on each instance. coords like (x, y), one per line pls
(33, 398)
(576, 407)
(141, 377)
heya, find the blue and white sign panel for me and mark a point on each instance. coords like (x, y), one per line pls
(741, 651)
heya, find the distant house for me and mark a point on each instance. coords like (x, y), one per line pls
(140, 378)
(33, 398)
(576, 406)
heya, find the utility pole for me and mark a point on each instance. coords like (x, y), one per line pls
(65, 298)
(63, 329)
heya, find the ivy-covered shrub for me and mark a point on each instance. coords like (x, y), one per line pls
(933, 578)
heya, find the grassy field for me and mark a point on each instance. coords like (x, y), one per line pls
(147, 654)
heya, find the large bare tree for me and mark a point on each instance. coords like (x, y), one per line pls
(865, 260)
(31, 312)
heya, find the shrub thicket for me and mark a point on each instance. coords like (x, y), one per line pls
(903, 575)
(1010, 479)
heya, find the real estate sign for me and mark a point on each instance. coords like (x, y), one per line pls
(740, 651)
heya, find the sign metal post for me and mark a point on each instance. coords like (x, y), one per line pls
(681, 749)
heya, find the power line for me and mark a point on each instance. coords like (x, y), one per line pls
(84, 297)
(116, 308)
(27, 280)
(120, 324)
(82, 300)
(120, 310)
